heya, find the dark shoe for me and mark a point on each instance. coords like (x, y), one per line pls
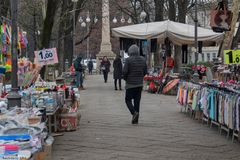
(81, 88)
(135, 118)
(116, 89)
(120, 89)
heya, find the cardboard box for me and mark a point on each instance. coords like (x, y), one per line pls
(34, 120)
(46, 154)
(69, 121)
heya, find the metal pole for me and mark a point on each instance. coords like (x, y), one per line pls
(14, 99)
(196, 33)
(74, 27)
(196, 75)
(34, 29)
(88, 41)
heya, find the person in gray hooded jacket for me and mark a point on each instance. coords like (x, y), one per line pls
(134, 70)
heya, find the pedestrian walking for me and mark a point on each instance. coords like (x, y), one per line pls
(134, 70)
(90, 66)
(105, 68)
(117, 73)
(79, 73)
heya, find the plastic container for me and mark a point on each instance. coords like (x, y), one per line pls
(10, 149)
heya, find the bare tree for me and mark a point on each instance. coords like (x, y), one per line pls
(159, 10)
(133, 8)
(171, 10)
(4, 7)
(237, 36)
(227, 43)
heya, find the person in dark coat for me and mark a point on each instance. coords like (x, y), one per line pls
(134, 70)
(79, 73)
(105, 68)
(117, 73)
(90, 66)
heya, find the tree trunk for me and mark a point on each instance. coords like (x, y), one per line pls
(4, 7)
(182, 11)
(237, 36)
(48, 22)
(172, 11)
(229, 35)
(159, 6)
(68, 49)
(67, 28)
(47, 28)
(60, 48)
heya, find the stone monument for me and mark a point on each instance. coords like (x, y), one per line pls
(106, 47)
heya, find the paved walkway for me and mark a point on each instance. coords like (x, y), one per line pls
(106, 133)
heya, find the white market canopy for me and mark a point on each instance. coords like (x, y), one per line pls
(178, 33)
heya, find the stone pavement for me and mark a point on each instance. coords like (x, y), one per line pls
(163, 133)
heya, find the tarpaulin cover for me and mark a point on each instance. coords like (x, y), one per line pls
(178, 33)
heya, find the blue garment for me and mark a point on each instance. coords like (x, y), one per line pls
(211, 104)
(79, 79)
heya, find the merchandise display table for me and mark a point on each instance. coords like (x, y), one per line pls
(52, 120)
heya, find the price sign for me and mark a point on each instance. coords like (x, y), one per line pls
(232, 56)
(46, 56)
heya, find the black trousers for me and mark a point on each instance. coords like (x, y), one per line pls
(119, 83)
(90, 71)
(133, 98)
(105, 76)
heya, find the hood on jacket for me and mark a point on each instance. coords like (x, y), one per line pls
(133, 50)
(79, 59)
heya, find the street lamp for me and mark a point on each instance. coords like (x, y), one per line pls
(115, 20)
(86, 23)
(88, 20)
(129, 20)
(14, 99)
(143, 16)
(95, 19)
(74, 24)
(196, 75)
(83, 24)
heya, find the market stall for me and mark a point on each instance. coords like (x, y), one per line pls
(178, 33)
(166, 32)
(215, 103)
(216, 99)
(46, 107)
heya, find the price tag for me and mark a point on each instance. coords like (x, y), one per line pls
(232, 56)
(46, 56)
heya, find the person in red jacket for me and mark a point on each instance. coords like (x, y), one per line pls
(169, 63)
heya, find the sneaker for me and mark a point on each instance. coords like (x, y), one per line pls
(135, 118)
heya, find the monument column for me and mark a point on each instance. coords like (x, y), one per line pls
(106, 47)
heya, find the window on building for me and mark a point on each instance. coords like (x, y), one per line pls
(208, 57)
(214, 55)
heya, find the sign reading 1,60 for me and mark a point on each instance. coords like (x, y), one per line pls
(232, 56)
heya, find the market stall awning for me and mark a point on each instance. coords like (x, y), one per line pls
(178, 33)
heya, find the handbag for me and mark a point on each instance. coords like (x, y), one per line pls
(221, 18)
(103, 68)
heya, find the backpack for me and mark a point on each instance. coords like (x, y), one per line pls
(78, 66)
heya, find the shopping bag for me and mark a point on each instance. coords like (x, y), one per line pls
(221, 19)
